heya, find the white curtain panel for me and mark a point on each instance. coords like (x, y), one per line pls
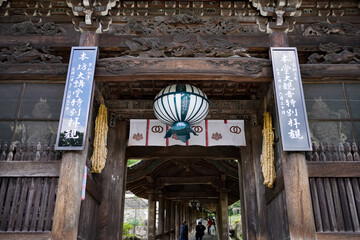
(151, 132)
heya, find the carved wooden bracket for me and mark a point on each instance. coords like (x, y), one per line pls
(92, 13)
(277, 10)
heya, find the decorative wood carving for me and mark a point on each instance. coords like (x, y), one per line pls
(183, 23)
(327, 28)
(250, 67)
(183, 45)
(40, 28)
(26, 53)
(117, 67)
(335, 54)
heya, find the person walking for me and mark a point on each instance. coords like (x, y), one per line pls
(184, 231)
(200, 228)
(212, 228)
(209, 225)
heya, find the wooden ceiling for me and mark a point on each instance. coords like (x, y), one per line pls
(213, 89)
(197, 173)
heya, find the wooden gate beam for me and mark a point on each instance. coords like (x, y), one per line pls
(177, 152)
(199, 69)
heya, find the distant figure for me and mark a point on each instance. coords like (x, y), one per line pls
(212, 228)
(184, 232)
(199, 219)
(209, 225)
(199, 231)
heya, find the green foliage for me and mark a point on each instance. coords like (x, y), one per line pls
(132, 161)
(126, 227)
(134, 222)
(235, 205)
(231, 212)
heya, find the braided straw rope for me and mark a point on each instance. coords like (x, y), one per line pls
(267, 156)
(98, 158)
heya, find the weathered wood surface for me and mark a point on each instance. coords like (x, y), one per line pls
(338, 236)
(112, 41)
(113, 184)
(298, 198)
(88, 217)
(21, 197)
(93, 188)
(137, 69)
(188, 195)
(336, 196)
(25, 235)
(30, 169)
(278, 187)
(208, 180)
(259, 179)
(151, 227)
(278, 227)
(333, 169)
(249, 185)
(223, 152)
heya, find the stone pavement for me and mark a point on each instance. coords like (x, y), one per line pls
(205, 237)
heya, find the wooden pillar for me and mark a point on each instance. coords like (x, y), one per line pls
(177, 220)
(248, 172)
(172, 219)
(242, 200)
(298, 198)
(160, 229)
(256, 133)
(218, 220)
(187, 217)
(224, 214)
(151, 216)
(167, 218)
(111, 210)
(296, 181)
(68, 198)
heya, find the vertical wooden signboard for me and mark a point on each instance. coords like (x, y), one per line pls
(77, 99)
(291, 111)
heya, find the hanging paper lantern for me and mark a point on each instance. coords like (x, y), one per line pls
(181, 106)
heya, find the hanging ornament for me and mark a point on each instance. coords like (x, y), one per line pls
(98, 158)
(181, 106)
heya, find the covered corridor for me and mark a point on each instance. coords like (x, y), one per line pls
(183, 184)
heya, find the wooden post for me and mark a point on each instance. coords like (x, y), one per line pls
(242, 200)
(151, 216)
(111, 209)
(296, 181)
(224, 214)
(160, 229)
(218, 220)
(298, 199)
(172, 219)
(248, 176)
(68, 198)
(256, 133)
(177, 220)
(167, 218)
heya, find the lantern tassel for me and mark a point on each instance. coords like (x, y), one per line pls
(182, 131)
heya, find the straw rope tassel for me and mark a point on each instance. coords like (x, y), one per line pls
(98, 158)
(267, 156)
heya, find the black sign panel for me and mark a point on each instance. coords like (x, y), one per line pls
(77, 99)
(291, 111)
